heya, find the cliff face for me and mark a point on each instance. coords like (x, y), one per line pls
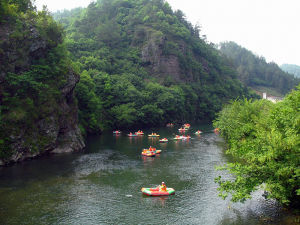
(68, 136)
(158, 63)
(38, 108)
(56, 132)
(165, 56)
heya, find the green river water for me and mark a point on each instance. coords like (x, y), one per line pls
(102, 184)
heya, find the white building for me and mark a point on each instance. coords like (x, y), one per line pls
(272, 98)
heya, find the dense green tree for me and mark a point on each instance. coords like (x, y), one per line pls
(264, 139)
(91, 105)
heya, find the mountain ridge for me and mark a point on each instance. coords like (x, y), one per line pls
(255, 71)
(292, 69)
(157, 47)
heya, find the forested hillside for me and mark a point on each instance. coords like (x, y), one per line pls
(143, 64)
(292, 69)
(38, 112)
(255, 72)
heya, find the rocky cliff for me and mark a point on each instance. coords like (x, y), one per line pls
(37, 104)
(154, 58)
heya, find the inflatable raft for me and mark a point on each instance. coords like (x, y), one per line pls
(163, 140)
(149, 154)
(217, 130)
(117, 132)
(182, 137)
(157, 192)
(157, 151)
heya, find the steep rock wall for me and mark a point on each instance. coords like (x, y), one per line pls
(55, 130)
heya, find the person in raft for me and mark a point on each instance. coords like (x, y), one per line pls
(163, 187)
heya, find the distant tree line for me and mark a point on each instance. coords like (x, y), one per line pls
(255, 71)
(292, 69)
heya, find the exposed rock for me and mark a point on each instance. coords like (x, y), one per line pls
(70, 141)
(59, 131)
(158, 63)
(53, 131)
(69, 137)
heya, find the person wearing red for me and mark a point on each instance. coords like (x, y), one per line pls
(163, 186)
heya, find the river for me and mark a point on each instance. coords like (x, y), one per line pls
(102, 185)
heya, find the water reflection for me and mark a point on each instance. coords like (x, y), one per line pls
(153, 140)
(117, 136)
(147, 160)
(158, 201)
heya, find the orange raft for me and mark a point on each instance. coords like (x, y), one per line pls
(163, 140)
(157, 191)
(217, 130)
(150, 152)
(139, 132)
(153, 135)
(132, 135)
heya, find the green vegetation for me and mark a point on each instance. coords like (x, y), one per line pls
(292, 69)
(264, 138)
(255, 71)
(142, 64)
(33, 69)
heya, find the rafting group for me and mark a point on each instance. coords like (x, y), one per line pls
(183, 128)
(140, 133)
(135, 134)
(162, 189)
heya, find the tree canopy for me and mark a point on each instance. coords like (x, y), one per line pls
(264, 138)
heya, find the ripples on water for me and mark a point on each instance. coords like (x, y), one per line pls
(102, 186)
